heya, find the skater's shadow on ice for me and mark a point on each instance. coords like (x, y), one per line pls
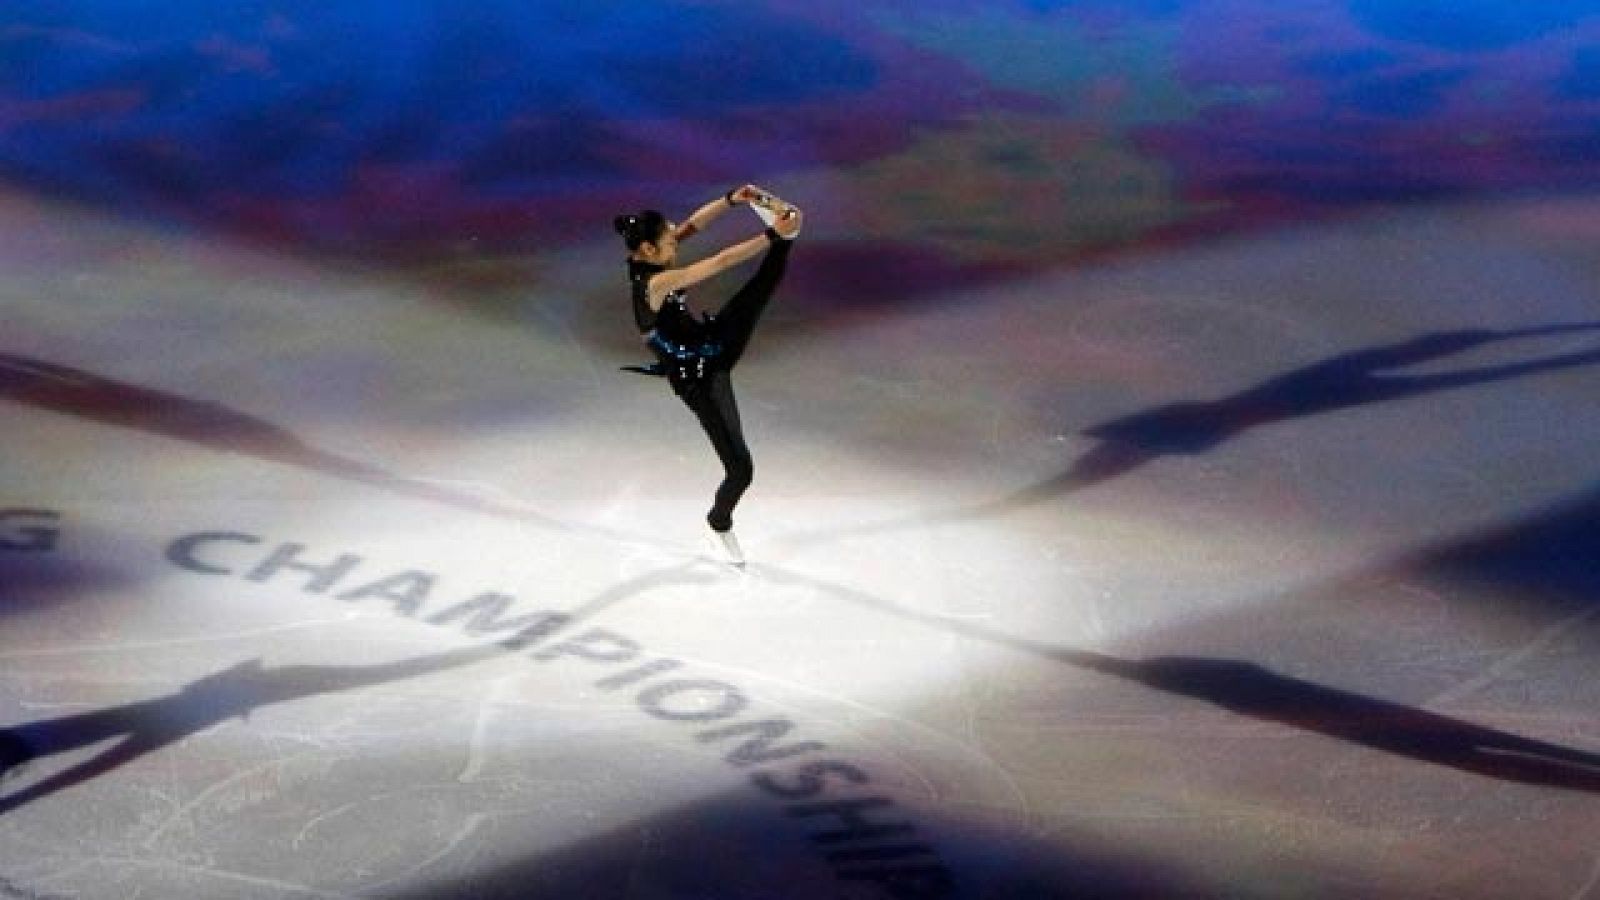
(150, 725)
(1259, 693)
(62, 389)
(36, 581)
(1250, 690)
(1359, 378)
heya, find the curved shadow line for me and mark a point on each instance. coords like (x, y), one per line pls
(680, 574)
(1188, 429)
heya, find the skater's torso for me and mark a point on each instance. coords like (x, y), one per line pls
(684, 344)
(673, 320)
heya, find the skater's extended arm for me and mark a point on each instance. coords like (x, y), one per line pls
(676, 279)
(702, 218)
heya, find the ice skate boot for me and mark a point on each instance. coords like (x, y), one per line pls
(771, 208)
(728, 544)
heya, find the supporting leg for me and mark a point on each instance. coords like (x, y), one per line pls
(713, 403)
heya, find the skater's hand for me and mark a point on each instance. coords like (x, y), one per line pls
(744, 194)
(788, 223)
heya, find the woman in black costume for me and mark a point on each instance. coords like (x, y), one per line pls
(697, 355)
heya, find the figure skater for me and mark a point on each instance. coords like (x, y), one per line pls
(697, 356)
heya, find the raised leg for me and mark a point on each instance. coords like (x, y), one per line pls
(737, 319)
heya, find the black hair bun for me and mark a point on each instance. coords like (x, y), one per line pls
(640, 227)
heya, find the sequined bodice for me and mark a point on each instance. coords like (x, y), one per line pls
(673, 320)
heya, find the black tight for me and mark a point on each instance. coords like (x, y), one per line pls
(712, 398)
(736, 321)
